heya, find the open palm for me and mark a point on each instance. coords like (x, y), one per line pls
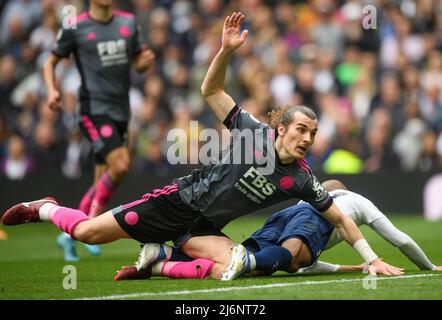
(232, 36)
(380, 267)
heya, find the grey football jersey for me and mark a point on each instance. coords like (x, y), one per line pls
(224, 191)
(103, 54)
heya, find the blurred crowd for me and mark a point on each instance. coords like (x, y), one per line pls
(371, 70)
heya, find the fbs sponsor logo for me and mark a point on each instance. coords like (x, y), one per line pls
(255, 185)
(112, 52)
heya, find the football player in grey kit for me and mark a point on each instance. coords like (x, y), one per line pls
(105, 44)
(193, 209)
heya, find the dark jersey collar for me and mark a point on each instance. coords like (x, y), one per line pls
(285, 165)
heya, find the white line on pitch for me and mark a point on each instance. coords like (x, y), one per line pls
(264, 286)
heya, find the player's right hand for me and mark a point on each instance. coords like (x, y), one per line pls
(438, 268)
(53, 100)
(380, 267)
(232, 36)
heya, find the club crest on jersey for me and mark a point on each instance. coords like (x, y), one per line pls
(319, 189)
(255, 185)
(112, 52)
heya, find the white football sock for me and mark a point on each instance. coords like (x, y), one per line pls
(156, 268)
(44, 211)
(252, 261)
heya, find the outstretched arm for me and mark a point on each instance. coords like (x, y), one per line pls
(213, 84)
(408, 246)
(325, 267)
(377, 221)
(348, 231)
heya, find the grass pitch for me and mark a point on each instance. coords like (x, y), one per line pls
(31, 267)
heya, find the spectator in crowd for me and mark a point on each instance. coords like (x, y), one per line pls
(45, 149)
(8, 80)
(407, 143)
(76, 160)
(402, 41)
(305, 76)
(429, 159)
(42, 38)
(390, 100)
(17, 164)
(327, 32)
(155, 159)
(378, 153)
(4, 134)
(23, 13)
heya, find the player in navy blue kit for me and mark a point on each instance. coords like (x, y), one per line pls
(313, 234)
(303, 234)
(105, 44)
(192, 210)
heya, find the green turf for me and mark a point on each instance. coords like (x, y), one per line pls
(31, 267)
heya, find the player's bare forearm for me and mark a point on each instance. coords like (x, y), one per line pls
(53, 95)
(216, 74)
(346, 228)
(349, 231)
(213, 85)
(325, 267)
(345, 268)
(49, 71)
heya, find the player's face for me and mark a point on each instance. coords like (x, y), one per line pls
(299, 135)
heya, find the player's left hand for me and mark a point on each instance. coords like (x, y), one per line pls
(144, 60)
(438, 268)
(380, 267)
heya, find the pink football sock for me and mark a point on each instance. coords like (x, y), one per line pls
(67, 219)
(196, 269)
(104, 192)
(86, 201)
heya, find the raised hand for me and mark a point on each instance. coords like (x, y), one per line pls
(232, 36)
